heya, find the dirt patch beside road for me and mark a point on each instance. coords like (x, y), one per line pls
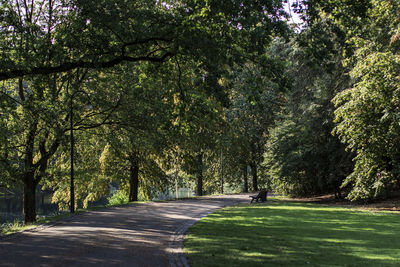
(390, 204)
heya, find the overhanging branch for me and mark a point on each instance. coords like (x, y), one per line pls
(79, 64)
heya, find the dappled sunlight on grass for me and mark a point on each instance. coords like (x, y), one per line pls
(282, 233)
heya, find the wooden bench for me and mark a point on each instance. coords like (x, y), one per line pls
(262, 195)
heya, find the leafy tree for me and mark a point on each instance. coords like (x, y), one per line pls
(90, 184)
(38, 125)
(198, 129)
(34, 133)
(128, 148)
(38, 106)
(105, 33)
(136, 143)
(255, 100)
(52, 49)
(367, 114)
(303, 157)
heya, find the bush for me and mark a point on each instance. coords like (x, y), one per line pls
(118, 198)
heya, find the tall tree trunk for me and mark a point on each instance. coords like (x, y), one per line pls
(34, 171)
(134, 178)
(29, 198)
(28, 178)
(338, 189)
(199, 189)
(255, 178)
(245, 182)
(176, 181)
(31, 181)
(8, 205)
(7, 201)
(222, 173)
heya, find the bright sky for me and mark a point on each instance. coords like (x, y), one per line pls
(295, 18)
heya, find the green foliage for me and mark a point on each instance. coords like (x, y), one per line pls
(282, 233)
(256, 95)
(12, 227)
(348, 53)
(59, 51)
(118, 198)
(370, 107)
(367, 114)
(176, 84)
(302, 157)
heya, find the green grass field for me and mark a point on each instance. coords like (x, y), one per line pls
(284, 233)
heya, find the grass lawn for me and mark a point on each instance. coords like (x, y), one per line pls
(284, 233)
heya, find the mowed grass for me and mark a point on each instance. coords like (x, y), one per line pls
(283, 233)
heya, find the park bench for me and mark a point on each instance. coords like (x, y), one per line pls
(262, 195)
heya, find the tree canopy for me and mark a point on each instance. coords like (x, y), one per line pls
(200, 93)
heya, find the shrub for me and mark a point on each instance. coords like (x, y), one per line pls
(118, 198)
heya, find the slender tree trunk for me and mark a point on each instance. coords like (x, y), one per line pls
(199, 189)
(8, 205)
(28, 178)
(7, 201)
(338, 190)
(29, 198)
(255, 178)
(176, 177)
(222, 173)
(176, 182)
(245, 182)
(134, 179)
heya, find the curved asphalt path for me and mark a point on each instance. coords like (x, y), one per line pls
(148, 234)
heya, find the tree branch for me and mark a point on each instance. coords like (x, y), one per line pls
(67, 66)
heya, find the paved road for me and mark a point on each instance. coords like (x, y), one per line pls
(138, 235)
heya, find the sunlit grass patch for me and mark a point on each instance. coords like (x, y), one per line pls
(17, 226)
(282, 233)
(13, 227)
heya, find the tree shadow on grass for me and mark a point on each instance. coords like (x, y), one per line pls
(294, 234)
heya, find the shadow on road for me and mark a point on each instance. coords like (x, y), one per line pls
(136, 235)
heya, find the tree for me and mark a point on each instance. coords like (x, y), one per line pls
(303, 158)
(105, 33)
(198, 130)
(53, 49)
(90, 184)
(256, 96)
(367, 113)
(137, 142)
